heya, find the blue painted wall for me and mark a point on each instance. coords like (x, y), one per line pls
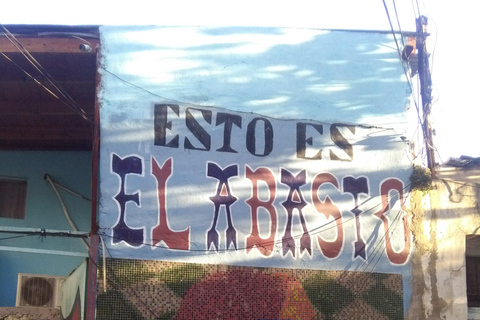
(43, 210)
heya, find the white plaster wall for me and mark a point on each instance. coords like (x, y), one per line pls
(285, 75)
(450, 214)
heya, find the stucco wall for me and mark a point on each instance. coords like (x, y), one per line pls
(44, 255)
(25, 313)
(441, 219)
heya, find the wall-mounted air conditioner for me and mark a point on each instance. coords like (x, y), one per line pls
(35, 290)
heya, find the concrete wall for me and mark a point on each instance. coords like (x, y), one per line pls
(441, 219)
(28, 313)
(34, 254)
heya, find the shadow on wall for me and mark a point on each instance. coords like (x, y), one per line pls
(259, 76)
(331, 76)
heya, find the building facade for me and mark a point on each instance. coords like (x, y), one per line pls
(242, 173)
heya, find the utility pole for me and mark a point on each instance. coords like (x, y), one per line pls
(425, 90)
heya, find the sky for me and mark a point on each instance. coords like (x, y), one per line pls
(454, 63)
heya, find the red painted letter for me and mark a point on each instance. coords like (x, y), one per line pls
(173, 239)
(402, 256)
(264, 245)
(331, 249)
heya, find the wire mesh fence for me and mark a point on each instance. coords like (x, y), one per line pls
(144, 290)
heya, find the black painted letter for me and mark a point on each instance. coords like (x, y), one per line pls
(341, 142)
(197, 130)
(229, 120)
(161, 124)
(123, 167)
(302, 140)
(268, 135)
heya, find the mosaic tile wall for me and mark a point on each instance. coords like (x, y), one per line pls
(137, 289)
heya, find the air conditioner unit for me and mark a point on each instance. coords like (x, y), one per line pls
(35, 290)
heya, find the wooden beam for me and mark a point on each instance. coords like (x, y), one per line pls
(34, 108)
(61, 66)
(46, 133)
(30, 90)
(50, 44)
(44, 145)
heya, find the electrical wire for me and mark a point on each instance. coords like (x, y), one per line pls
(418, 8)
(15, 237)
(398, 22)
(377, 252)
(397, 45)
(33, 78)
(66, 98)
(82, 113)
(64, 208)
(416, 99)
(432, 56)
(422, 122)
(375, 257)
(133, 85)
(312, 232)
(40, 68)
(401, 60)
(416, 13)
(377, 248)
(379, 245)
(431, 64)
(114, 282)
(370, 263)
(70, 191)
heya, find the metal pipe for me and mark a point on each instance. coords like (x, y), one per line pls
(64, 208)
